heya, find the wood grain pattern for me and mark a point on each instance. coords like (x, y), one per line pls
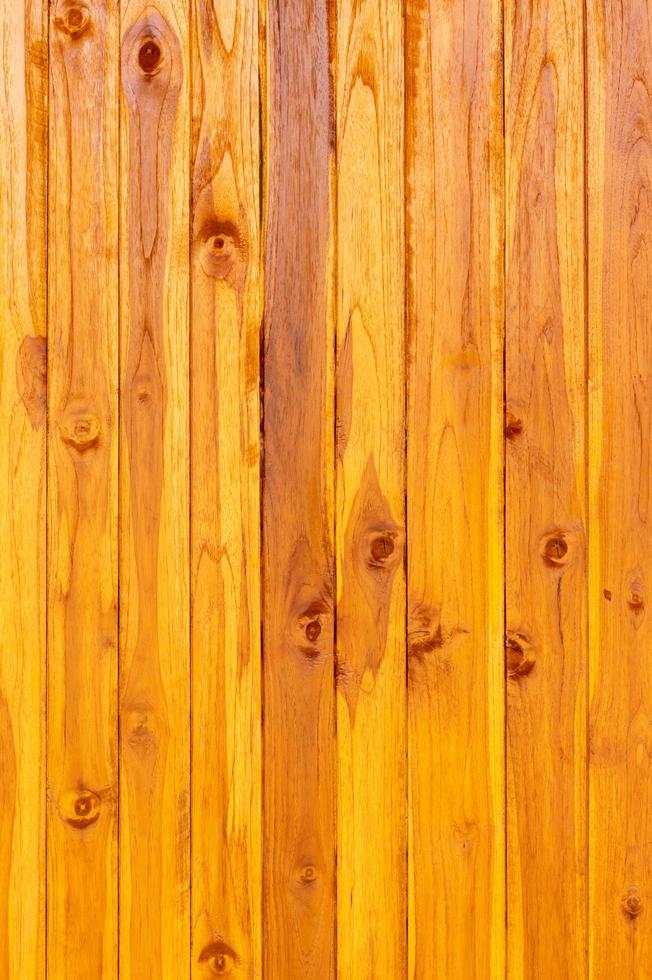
(545, 516)
(298, 500)
(225, 508)
(82, 490)
(23, 224)
(154, 493)
(454, 159)
(325, 357)
(619, 141)
(370, 493)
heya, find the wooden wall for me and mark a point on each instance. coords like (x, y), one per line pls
(326, 489)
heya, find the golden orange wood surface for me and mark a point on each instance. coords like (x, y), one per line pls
(325, 421)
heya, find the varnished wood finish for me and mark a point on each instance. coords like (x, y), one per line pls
(454, 157)
(225, 507)
(619, 140)
(370, 493)
(82, 793)
(154, 493)
(23, 224)
(325, 346)
(298, 586)
(545, 518)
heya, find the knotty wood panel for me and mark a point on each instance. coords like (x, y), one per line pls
(370, 493)
(23, 179)
(82, 400)
(324, 547)
(545, 506)
(225, 508)
(454, 159)
(154, 494)
(298, 588)
(619, 141)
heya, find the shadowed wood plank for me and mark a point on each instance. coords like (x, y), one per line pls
(154, 495)
(619, 140)
(225, 531)
(23, 223)
(454, 177)
(546, 578)
(82, 490)
(370, 505)
(298, 599)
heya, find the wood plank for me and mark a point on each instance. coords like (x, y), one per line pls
(82, 490)
(23, 225)
(619, 141)
(226, 805)
(546, 569)
(154, 493)
(298, 500)
(454, 158)
(370, 491)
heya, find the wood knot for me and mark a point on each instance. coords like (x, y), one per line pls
(80, 430)
(219, 959)
(141, 732)
(307, 874)
(607, 594)
(74, 20)
(80, 808)
(631, 904)
(513, 426)
(519, 655)
(636, 597)
(311, 628)
(381, 549)
(150, 56)
(220, 246)
(554, 549)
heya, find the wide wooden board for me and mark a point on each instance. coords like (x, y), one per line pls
(154, 492)
(82, 513)
(545, 497)
(454, 154)
(23, 264)
(224, 501)
(619, 141)
(370, 494)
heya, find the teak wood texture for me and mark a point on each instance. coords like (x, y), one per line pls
(326, 489)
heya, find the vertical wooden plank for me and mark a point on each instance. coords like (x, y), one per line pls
(23, 224)
(619, 146)
(546, 576)
(82, 489)
(298, 587)
(454, 158)
(370, 493)
(225, 510)
(154, 494)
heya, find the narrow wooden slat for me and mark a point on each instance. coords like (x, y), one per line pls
(298, 588)
(370, 493)
(23, 223)
(225, 529)
(546, 576)
(154, 494)
(454, 157)
(82, 490)
(619, 157)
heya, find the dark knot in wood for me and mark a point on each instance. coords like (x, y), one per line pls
(80, 808)
(150, 56)
(554, 549)
(74, 20)
(631, 904)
